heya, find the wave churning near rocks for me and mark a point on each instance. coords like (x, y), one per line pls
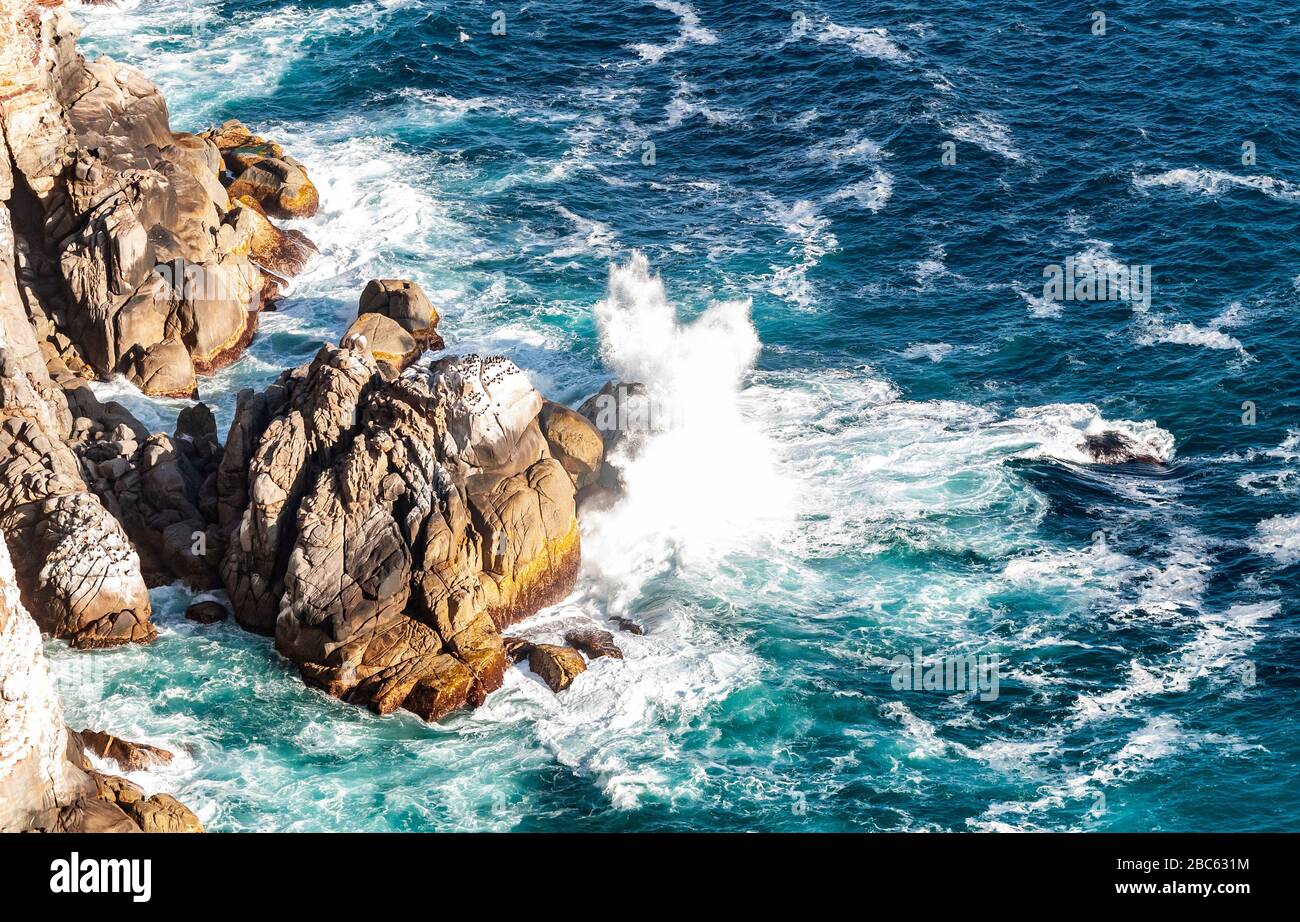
(704, 483)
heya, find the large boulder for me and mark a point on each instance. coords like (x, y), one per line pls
(165, 369)
(391, 346)
(263, 172)
(404, 301)
(558, 666)
(575, 442)
(392, 527)
(129, 756)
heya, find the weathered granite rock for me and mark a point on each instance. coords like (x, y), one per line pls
(163, 813)
(576, 443)
(265, 173)
(45, 783)
(158, 813)
(516, 648)
(386, 340)
(391, 528)
(37, 777)
(163, 370)
(162, 489)
(126, 241)
(130, 757)
(558, 666)
(403, 301)
(281, 254)
(75, 567)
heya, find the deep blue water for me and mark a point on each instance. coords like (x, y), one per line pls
(896, 468)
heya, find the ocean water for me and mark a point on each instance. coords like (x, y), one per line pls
(880, 412)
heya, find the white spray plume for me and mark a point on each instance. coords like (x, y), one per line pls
(704, 484)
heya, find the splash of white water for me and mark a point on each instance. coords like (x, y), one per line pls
(704, 484)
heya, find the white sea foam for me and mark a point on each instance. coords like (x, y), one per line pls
(689, 31)
(930, 268)
(211, 42)
(1156, 330)
(935, 352)
(685, 106)
(984, 131)
(1040, 306)
(1058, 431)
(811, 237)
(867, 42)
(872, 194)
(1217, 182)
(1153, 329)
(853, 147)
(1279, 538)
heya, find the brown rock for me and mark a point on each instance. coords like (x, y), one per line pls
(387, 341)
(278, 184)
(403, 301)
(517, 649)
(163, 370)
(280, 252)
(386, 529)
(574, 442)
(163, 813)
(557, 666)
(131, 757)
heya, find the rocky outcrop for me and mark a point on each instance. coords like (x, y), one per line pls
(595, 643)
(161, 488)
(46, 784)
(1114, 447)
(75, 567)
(557, 666)
(405, 302)
(262, 171)
(37, 778)
(577, 443)
(132, 256)
(388, 529)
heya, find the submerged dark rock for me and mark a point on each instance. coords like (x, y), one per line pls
(1114, 447)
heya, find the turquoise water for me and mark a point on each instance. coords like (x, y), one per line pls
(880, 450)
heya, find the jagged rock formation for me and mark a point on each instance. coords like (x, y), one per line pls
(36, 775)
(132, 256)
(129, 756)
(384, 531)
(162, 489)
(76, 569)
(263, 172)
